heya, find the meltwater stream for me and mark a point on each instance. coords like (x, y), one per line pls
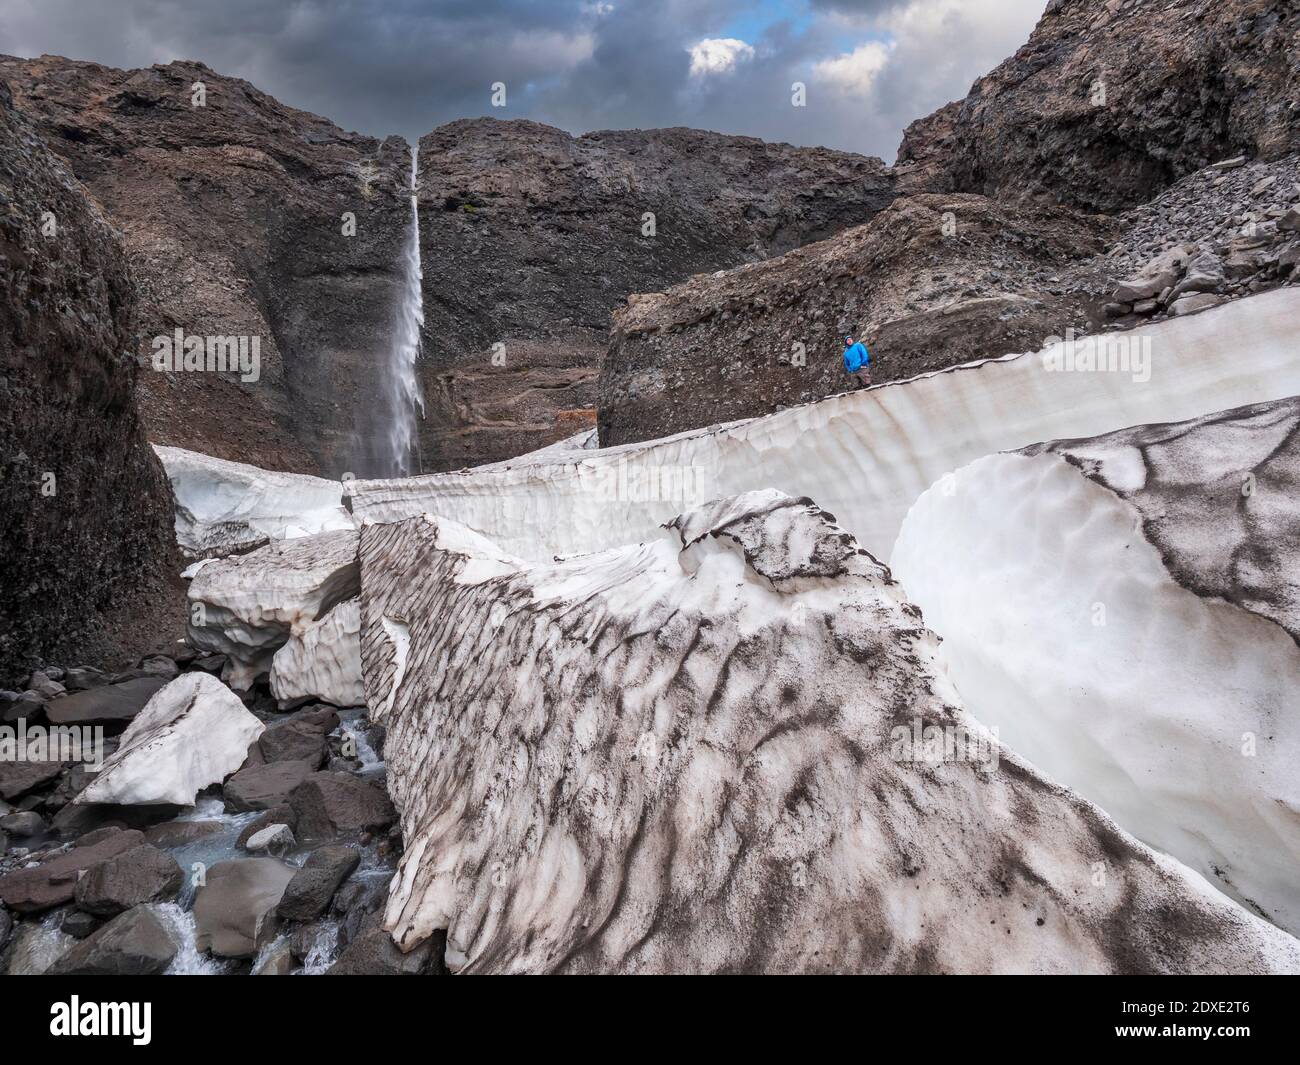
(401, 386)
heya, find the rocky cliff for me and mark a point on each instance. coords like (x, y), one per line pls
(1013, 221)
(1111, 101)
(234, 216)
(86, 522)
(531, 237)
(233, 224)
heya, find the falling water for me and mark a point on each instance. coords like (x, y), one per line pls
(402, 386)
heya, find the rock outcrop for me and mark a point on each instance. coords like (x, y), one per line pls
(930, 282)
(85, 528)
(532, 236)
(1161, 131)
(731, 750)
(1110, 102)
(233, 218)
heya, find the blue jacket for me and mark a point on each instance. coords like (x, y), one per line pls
(856, 357)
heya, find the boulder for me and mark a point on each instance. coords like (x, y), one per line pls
(278, 961)
(142, 874)
(300, 739)
(234, 910)
(331, 805)
(273, 839)
(53, 882)
(173, 834)
(23, 823)
(80, 678)
(18, 778)
(108, 704)
(135, 943)
(20, 706)
(260, 787)
(160, 666)
(372, 953)
(313, 886)
(79, 924)
(193, 732)
(280, 814)
(1193, 302)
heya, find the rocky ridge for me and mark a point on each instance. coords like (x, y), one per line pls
(970, 261)
(232, 216)
(86, 523)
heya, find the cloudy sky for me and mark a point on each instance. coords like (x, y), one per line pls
(404, 66)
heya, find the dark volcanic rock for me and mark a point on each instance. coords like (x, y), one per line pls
(373, 953)
(233, 214)
(180, 833)
(54, 881)
(263, 786)
(142, 874)
(19, 778)
(234, 911)
(86, 525)
(338, 804)
(1108, 103)
(531, 237)
(135, 943)
(300, 739)
(109, 704)
(930, 282)
(312, 888)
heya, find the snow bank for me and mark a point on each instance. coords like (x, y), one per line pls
(699, 754)
(322, 661)
(225, 507)
(248, 606)
(866, 456)
(194, 732)
(1110, 605)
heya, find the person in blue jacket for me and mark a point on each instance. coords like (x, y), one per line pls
(856, 358)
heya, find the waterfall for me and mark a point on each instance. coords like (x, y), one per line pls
(402, 387)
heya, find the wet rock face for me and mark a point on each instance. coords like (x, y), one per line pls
(233, 219)
(86, 522)
(531, 237)
(931, 281)
(1108, 103)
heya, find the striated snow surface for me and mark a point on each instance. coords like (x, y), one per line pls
(322, 661)
(696, 754)
(249, 606)
(1124, 610)
(227, 507)
(868, 455)
(192, 733)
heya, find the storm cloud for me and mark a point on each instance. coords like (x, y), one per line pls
(405, 66)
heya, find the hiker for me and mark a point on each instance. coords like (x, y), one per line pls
(856, 358)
